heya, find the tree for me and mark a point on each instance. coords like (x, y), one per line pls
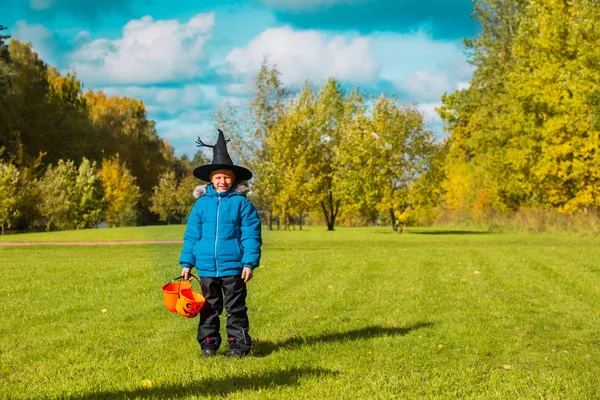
(9, 211)
(164, 199)
(90, 196)
(58, 198)
(120, 193)
(184, 196)
(524, 133)
(331, 112)
(124, 130)
(294, 145)
(266, 109)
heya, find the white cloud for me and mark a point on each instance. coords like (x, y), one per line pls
(40, 5)
(301, 55)
(426, 85)
(429, 113)
(42, 39)
(148, 52)
(463, 85)
(165, 100)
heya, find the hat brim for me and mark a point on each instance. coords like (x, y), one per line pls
(203, 171)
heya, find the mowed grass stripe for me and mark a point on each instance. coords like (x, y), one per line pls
(345, 314)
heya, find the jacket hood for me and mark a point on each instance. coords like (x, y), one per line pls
(239, 188)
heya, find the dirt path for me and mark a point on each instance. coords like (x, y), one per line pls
(109, 243)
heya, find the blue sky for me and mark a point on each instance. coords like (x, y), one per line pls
(184, 58)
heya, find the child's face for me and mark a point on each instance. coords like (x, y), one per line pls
(222, 179)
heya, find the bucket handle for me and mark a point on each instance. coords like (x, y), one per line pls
(181, 277)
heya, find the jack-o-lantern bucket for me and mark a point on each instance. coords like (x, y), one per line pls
(189, 303)
(170, 292)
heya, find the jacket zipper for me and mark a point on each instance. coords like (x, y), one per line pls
(217, 235)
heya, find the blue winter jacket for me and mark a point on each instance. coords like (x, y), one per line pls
(223, 234)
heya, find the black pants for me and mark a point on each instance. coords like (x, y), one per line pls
(233, 289)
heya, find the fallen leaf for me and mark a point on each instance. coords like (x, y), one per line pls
(440, 346)
(506, 366)
(103, 310)
(316, 317)
(476, 272)
(146, 383)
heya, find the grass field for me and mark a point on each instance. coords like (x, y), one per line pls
(355, 313)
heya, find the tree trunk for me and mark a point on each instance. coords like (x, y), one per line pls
(270, 219)
(286, 222)
(393, 219)
(331, 212)
(301, 219)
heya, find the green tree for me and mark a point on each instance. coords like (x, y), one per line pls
(58, 197)
(332, 110)
(293, 144)
(184, 196)
(90, 196)
(9, 211)
(164, 199)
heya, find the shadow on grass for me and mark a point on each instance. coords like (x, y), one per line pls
(214, 387)
(262, 349)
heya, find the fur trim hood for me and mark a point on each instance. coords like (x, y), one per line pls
(240, 188)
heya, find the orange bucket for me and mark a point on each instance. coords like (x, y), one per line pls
(171, 291)
(189, 303)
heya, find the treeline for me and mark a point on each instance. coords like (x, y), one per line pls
(334, 155)
(69, 158)
(522, 138)
(525, 134)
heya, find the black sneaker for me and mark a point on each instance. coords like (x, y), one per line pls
(235, 350)
(209, 353)
(237, 353)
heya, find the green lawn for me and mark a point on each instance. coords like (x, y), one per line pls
(166, 232)
(355, 313)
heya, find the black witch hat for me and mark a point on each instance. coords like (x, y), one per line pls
(221, 160)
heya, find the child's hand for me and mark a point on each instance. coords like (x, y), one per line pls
(185, 272)
(246, 274)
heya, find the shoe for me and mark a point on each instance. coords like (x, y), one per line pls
(235, 350)
(237, 353)
(206, 353)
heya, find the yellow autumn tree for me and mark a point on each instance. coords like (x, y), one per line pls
(121, 193)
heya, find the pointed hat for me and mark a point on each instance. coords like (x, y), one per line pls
(221, 160)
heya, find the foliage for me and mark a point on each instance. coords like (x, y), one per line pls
(58, 203)
(124, 130)
(184, 196)
(164, 199)
(525, 133)
(9, 178)
(121, 193)
(71, 197)
(89, 192)
(45, 117)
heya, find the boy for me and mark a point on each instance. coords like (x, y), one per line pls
(222, 241)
